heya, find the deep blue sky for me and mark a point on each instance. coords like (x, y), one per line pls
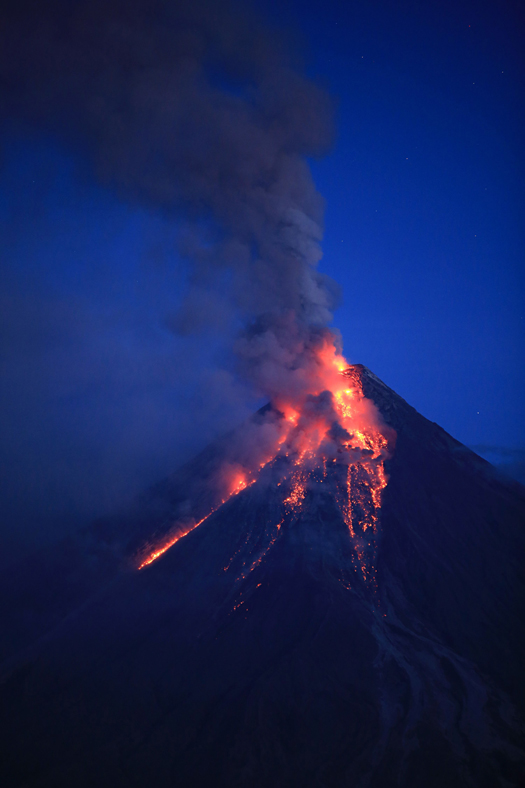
(424, 217)
(424, 191)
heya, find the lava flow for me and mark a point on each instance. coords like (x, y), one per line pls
(328, 425)
(239, 483)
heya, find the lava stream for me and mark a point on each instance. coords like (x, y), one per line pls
(329, 424)
(239, 485)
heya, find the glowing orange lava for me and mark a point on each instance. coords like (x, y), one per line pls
(260, 557)
(161, 550)
(239, 484)
(328, 425)
(298, 491)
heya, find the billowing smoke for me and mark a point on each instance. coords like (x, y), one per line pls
(195, 109)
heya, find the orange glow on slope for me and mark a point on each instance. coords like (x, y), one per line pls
(365, 442)
(161, 550)
(239, 484)
(298, 492)
(258, 560)
(329, 422)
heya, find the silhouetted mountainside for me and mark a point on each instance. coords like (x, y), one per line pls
(258, 651)
(38, 593)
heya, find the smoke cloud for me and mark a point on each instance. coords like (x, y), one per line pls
(196, 110)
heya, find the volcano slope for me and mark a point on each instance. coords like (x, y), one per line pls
(271, 646)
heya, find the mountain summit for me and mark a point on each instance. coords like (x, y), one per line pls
(348, 615)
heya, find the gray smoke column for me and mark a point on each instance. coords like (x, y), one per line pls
(195, 109)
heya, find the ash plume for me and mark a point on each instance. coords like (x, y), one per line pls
(196, 110)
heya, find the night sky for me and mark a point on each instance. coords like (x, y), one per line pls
(424, 204)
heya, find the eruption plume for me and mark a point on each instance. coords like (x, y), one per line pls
(197, 110)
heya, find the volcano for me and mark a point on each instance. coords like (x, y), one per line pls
(353, 620)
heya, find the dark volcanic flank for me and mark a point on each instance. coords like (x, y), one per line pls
(256, 651)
